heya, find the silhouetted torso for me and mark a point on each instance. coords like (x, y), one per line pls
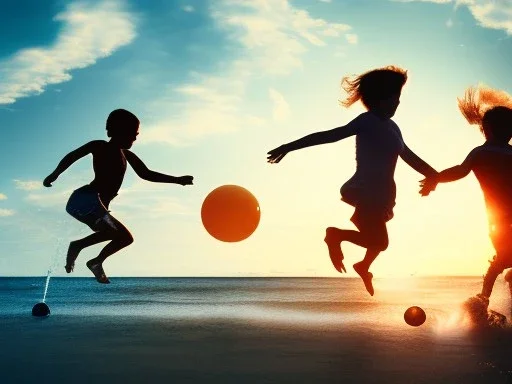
(492, 165)
(109, 165)
(378, 144)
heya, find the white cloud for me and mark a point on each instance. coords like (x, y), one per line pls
(424, 1)
(50, 199)
(28, 185)
(494, 14)
(6, 212)
(351, 38)
(281, 109)
(449, 23)
(188, 8)
(272, 36)
(89, 32)
(2, 196)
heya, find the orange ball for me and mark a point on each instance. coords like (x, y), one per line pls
(230, 213)
(415, 316)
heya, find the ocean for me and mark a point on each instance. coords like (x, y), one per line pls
(248, 330)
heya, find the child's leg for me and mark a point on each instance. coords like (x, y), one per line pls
(333, 240)
(334, 237)
(500, 238)
(362, 269)
(372, 235)
(77, 245)
(496, 268)
(120, 238)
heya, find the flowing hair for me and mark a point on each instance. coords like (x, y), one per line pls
(373, 86)
(482, 104)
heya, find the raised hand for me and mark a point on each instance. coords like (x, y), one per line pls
(185, 180)
(47, 182)
(277, 154)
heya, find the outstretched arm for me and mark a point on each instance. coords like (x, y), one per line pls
(69, 159)
(448, 175)
(415, 162)
(147, 174)
(317, 138)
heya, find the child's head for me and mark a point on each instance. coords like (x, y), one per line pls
(378, 89)
(123, 127)
(491, 109)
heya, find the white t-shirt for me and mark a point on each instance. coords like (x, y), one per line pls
(379, 142)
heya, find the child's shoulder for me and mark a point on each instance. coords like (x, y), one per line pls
(491, 148)
(368, 120)
(96, 145)
(97, 142)
(365, 119)
(488, 153)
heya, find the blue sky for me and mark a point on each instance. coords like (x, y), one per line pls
(216, 84)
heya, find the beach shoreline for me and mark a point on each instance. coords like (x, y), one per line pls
(143, 349)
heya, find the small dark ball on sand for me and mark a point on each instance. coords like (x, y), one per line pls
(415, 316)
(40, 310)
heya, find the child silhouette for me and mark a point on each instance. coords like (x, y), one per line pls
(371, 190)
(89, 204)
(491, 163)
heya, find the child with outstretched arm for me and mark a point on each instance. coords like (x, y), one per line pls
(379, 143)
(89, 204)
(491, 163)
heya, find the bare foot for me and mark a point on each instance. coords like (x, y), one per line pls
(366, 276)
(333, 241)
(73, 252)
(97, 270)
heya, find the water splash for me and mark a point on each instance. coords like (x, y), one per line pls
(46, 285)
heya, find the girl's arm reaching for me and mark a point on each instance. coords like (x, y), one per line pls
(147, 174)
(448, 175)
(415, 162)
(69, 159)
(317, 138)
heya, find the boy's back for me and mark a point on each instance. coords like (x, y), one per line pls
(492, 165)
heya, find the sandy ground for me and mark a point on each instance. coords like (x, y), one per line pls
(144, 350)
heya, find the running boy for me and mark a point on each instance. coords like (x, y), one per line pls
(89, 204)
(371, 190)
(491, 163)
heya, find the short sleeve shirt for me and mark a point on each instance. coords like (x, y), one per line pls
(379, 142)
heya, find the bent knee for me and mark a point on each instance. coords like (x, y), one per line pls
(382, 245)
(378, 243)
(123, 237)
(127, 239)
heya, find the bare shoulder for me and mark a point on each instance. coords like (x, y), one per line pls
(129, 154)
(476, 155)
(132, 158)
(394, 125)
(137, 164)
(488, 152)
(96, 145)
(90, 147)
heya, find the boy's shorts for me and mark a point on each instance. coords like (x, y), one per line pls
(369, 212)
(85, 205)
(368, 216)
